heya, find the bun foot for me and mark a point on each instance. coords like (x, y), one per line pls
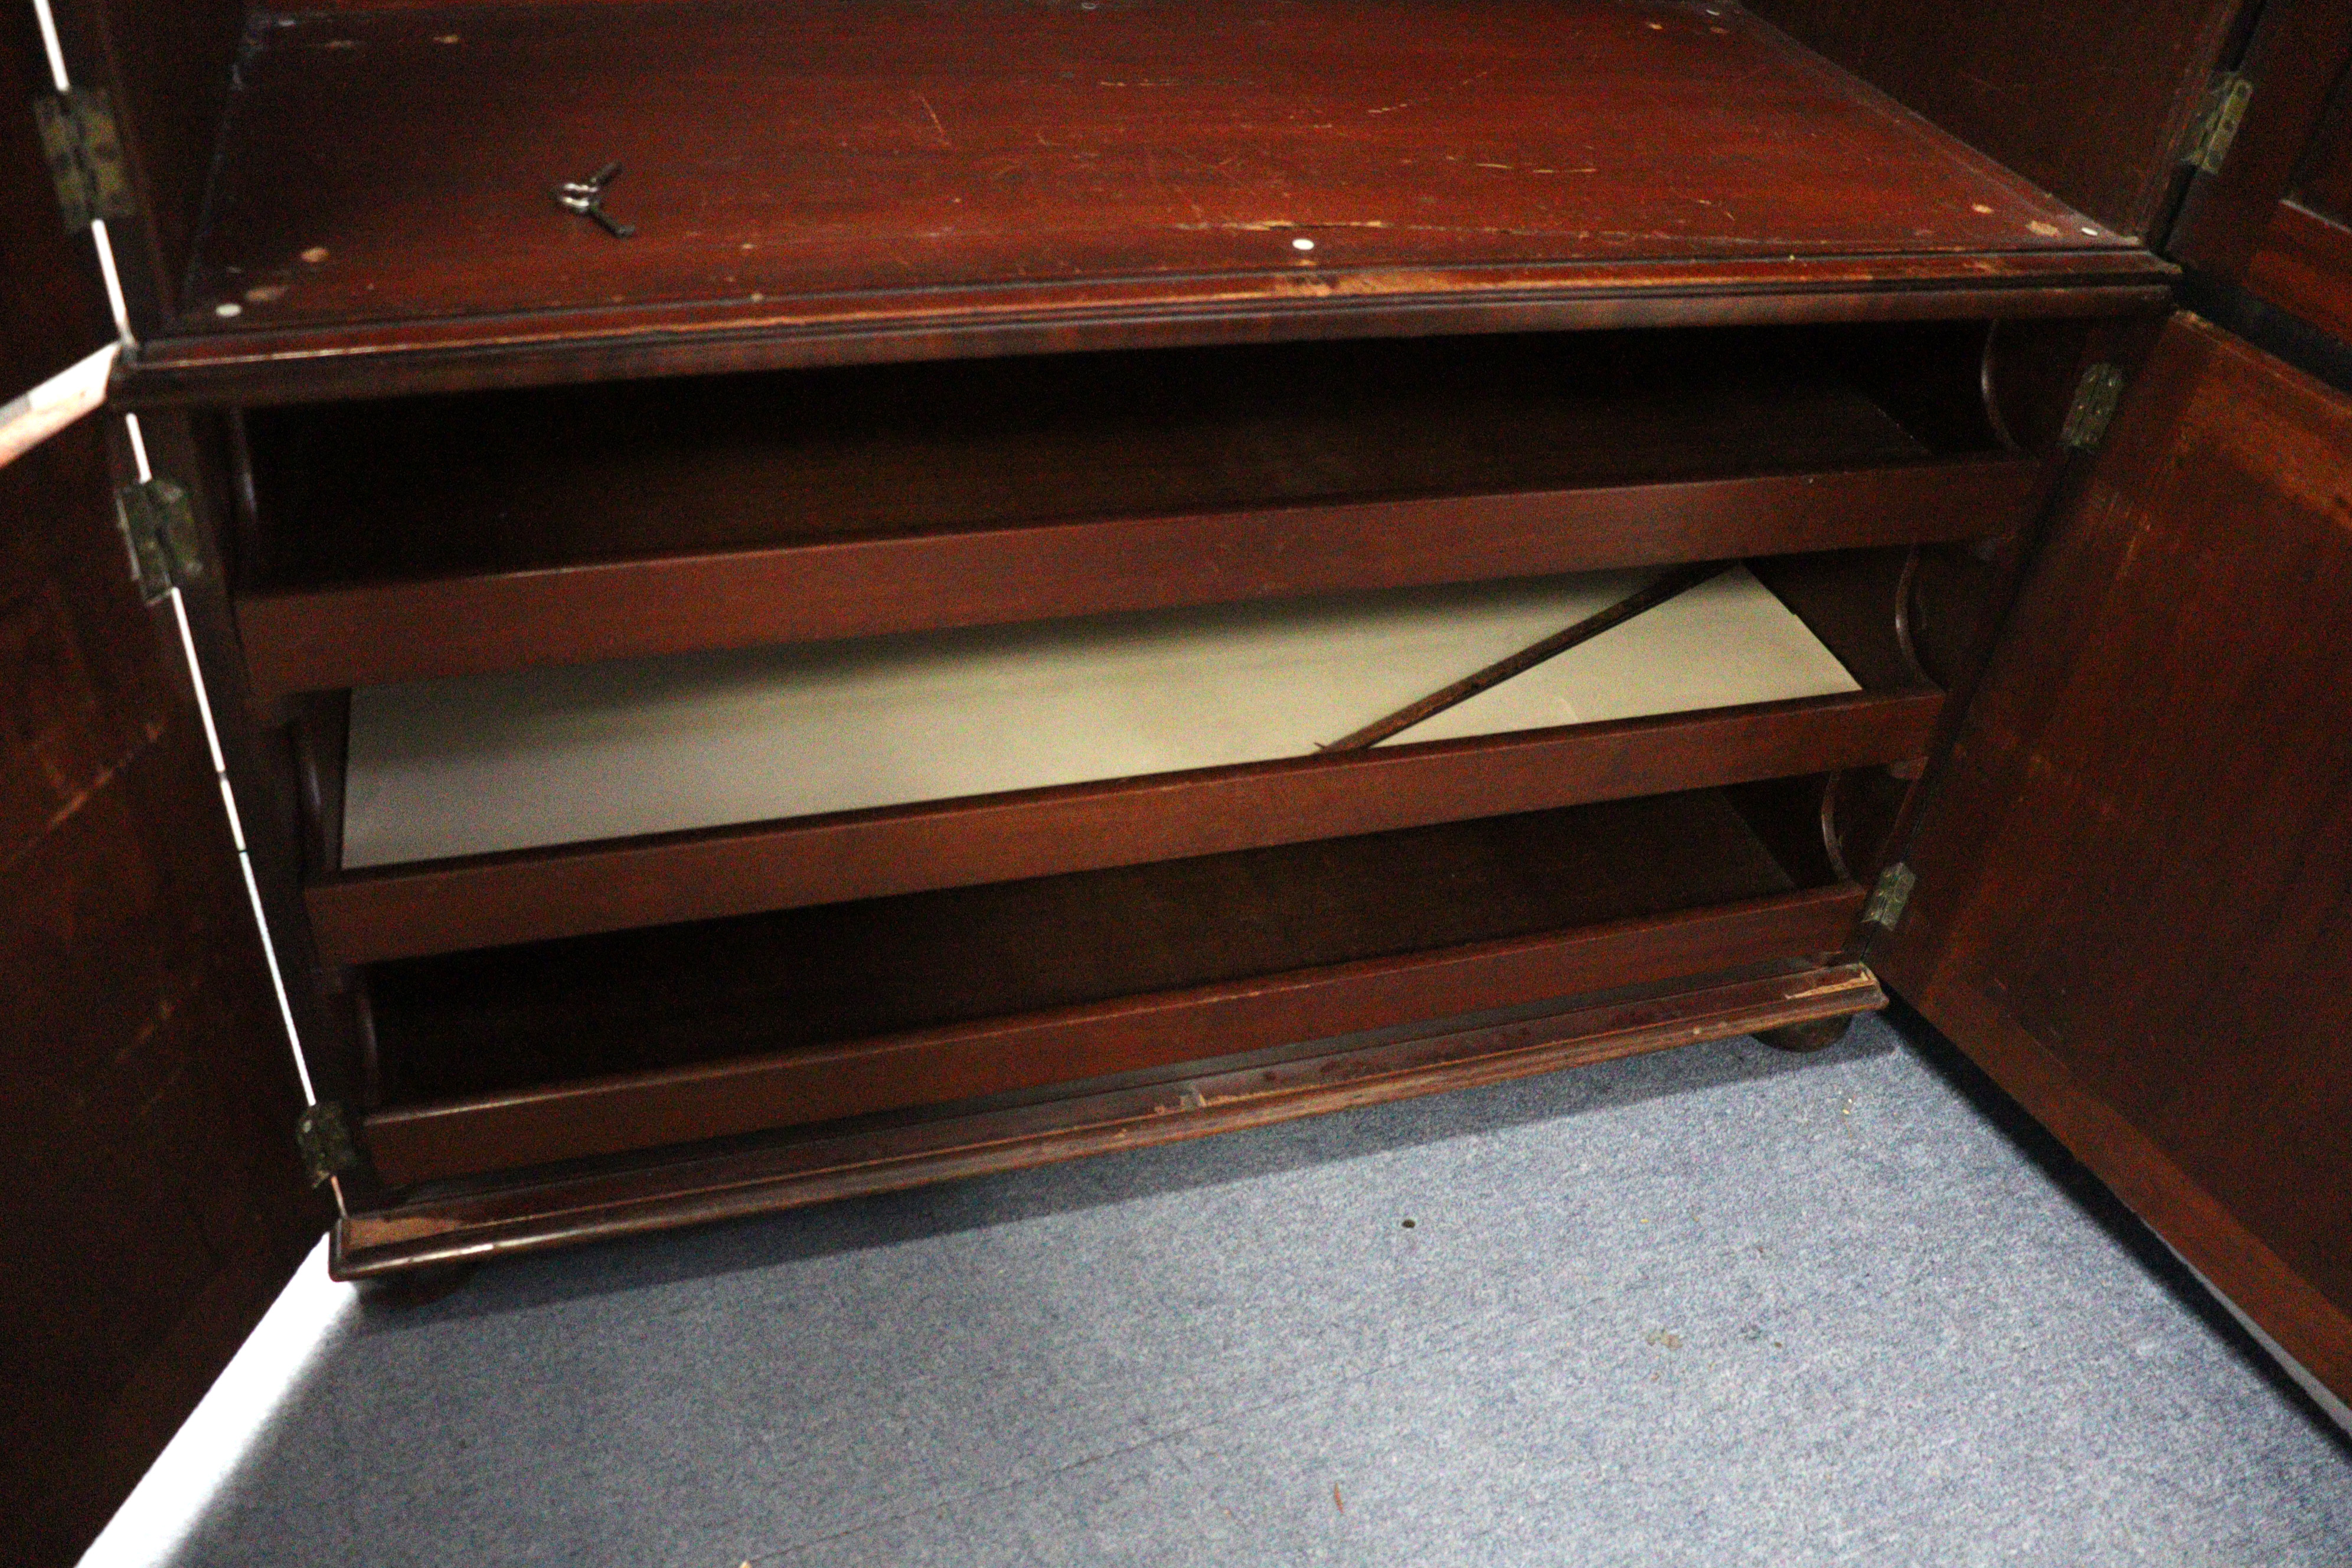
(1817, 1036)
(416, 1287)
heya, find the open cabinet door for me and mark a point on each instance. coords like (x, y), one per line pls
(2133, 904)
(152, 1203)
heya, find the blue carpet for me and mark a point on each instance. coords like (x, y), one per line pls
(1720, 1306)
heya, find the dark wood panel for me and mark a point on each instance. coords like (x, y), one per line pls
(2301, 259)
(2295, 59)
(2086, 101)
(463, 354)
(150, 1202)
(449, 907)
(168, 65)
(2323, 179)
(466, 485)
(374, 634)
(947, 1063)
(52, 306)
(881, 1155)
(2135, 903)
(2305, 266)
(425, 537)
(1059, 165)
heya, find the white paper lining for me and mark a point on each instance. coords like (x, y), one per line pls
(563, 755)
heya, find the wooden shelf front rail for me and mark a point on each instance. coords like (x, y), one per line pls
(652, 1110)
(492, 900)
(1226, 1095)
(380, 633)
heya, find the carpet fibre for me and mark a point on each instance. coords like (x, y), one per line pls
(1714, 1306)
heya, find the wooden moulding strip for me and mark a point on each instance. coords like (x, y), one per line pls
(615, 885)
(379, 632)
(1221, 1098)
(480, 352)
(951, 1062)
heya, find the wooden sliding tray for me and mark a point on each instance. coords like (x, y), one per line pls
(547, 886)
(602, 1044)
(413, 538)
(838, 180)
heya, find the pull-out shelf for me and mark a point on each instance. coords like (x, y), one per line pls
(425, 537)
(487, 812)
(603, 1045)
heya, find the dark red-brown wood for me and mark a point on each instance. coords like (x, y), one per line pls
(2305, 266)
(468, 1023)
(2135, 897)
(439, 536)
(166, 66)
(866, 854)
(563, 1122)
(1132, 1112)
(2088, 101)
(51, 299)
(150, 1202)
(311, 639)
(838, 181)
(2297, 62)
(2276, 219)
(447, 907)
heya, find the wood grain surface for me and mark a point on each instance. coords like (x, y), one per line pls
(563, 1121)
(2088, 101)
(150, 1202)
(445, 536)
(2135, 897)
(823, 178)
(445, 907)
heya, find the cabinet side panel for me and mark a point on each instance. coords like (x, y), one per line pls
(52, 304)
(2086, 101)
(2295, 59)
(150, 1202)
(169, 64)
(2134, 902)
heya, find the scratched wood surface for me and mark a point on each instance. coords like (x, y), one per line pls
(864, 166)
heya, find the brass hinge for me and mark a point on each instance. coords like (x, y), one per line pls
(2095, 397)
(325, 1140)
(85, 153)
(160, 527)
(1891, 897)
(2207, 144)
